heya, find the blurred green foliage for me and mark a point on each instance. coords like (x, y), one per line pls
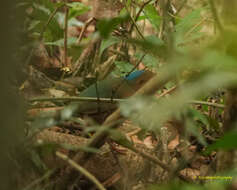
(199, 69)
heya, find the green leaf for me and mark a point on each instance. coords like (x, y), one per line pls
(149, 61)
(142, 17)
(53, 30)
(77, 9)
(107, 43)
(214, 124)
(33, 25)
(75, 22)
(106, 26)
(152, 15)
(120, 138)
(123, 67)
(75, 51)
(185, 26)
(188, 21)
(194, 130)
(46, 4)
(227, 142)
(152, 45)
(197, 115)
(153, 40)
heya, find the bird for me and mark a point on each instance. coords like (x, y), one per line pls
(117, 87)
(112, 88)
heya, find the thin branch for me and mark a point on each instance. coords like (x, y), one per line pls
(81, 170)
(85, 54)
(65, 35)
(147, 156)
(137, 64)
(207, 103)
(194, 27)
(77, 99)
(134, 23)
(138, 14)
(87, 23)
(168, 91)
(49, 20)
(117, 52)
(38, 181)
(109, 100)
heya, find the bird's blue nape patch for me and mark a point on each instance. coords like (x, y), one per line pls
(134, 75)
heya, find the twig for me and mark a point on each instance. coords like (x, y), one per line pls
(72, 98)
(207, 103)
(81, 170)
(65, 34)
(49, 20)
(137, 64)
(112, 180)
(38, 181)
(138, 14)
(168, 91)
(106, 67)
(109, 100)
(85, 55)
(194, 27)
(87, 23)
(147, 156)
(134, 22)
(117, 52)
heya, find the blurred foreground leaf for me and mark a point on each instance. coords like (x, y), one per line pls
(227, 142)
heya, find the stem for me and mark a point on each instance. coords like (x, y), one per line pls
(147, 156)
(134, 22)
(65, 35)
(207, 103)
(87, 23)
(138, 14)
(49, 20)
(38, 181)
(82, 99)
(81, 170)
